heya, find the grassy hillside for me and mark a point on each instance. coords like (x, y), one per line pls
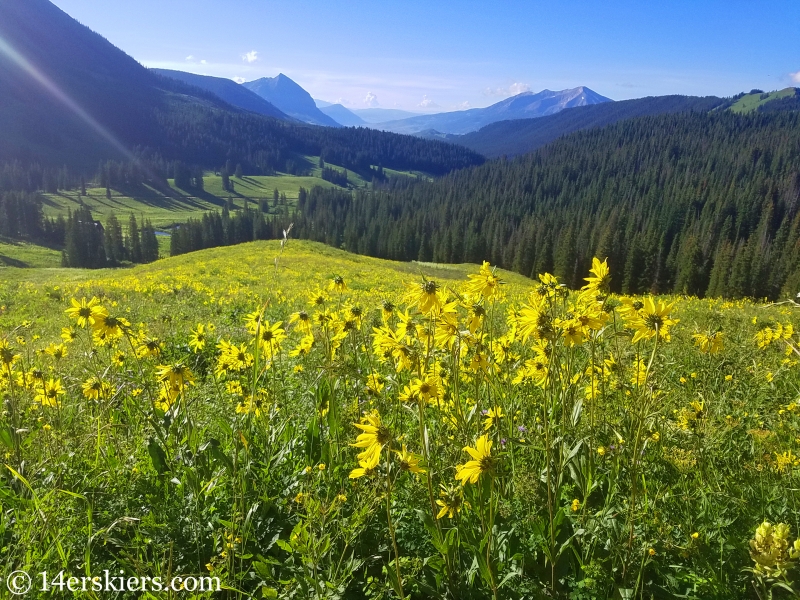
(176, 206)
(752, 102)
(24, 255)
(167, 208)
(637, 442)
(248, 271)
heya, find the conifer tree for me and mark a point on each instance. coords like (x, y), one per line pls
(134, 240)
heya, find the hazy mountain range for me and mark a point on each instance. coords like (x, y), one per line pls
(522, 106)
(368, 115)
(519, 136)
(526, 105)
(283, 98)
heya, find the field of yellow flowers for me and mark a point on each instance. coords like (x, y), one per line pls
(300, 422)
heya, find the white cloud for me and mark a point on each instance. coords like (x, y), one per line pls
(427, 103)
(203, 62)
(190, 58)
(464, 105)
(795, 77)
(239, 79)
(371, 100)
(511, 90)
(250, 57)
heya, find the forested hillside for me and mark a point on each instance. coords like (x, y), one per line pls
(208, 137)
(692, 202)
(69, 97)
(519, 136)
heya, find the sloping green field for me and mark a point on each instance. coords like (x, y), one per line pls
(750, 102)
(175, 206)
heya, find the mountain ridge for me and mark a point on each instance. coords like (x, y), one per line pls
(289, 97)
(524, 105)
(520, 136)
(229, 91)
(69, 98)
(343, 115)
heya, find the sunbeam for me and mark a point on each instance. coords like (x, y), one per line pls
(52, 89)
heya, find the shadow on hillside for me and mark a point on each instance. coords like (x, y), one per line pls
(162, 197)
(12, 262)
(33, 241)
(49, 201)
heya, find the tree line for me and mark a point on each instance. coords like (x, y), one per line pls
(21, 218)
(694, 203)
(91, 245)
(335, 176)
(227, 228)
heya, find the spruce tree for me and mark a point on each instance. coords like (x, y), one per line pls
(149, 242)
(113, 243)
(134, 240)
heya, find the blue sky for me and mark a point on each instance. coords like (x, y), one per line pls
(434, 56)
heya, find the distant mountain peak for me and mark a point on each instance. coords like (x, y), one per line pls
(525, 105)
(229, 91)
(291, 98)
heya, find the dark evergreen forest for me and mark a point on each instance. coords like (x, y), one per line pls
(209, 138)
(693, 203)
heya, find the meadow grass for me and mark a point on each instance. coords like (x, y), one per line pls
(512, 439)
(167, 209)
(24, 255)
(750, 102)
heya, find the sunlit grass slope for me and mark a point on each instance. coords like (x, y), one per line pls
(301, 422)
(232, 275)
(750, 102)
(176, 206)
(25, 255)
(165, 208)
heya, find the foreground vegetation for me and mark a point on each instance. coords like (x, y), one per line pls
(306, 423)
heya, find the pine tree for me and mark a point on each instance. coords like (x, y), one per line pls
(149, 243)
(566, 259)
(134, 240)
(113, 244)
